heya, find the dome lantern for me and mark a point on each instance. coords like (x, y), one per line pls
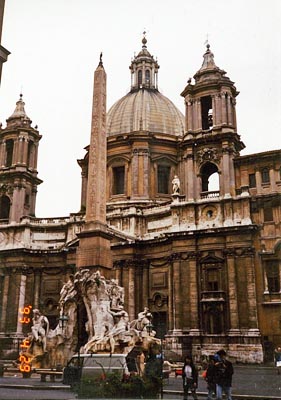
(144, 69)
(19, 116)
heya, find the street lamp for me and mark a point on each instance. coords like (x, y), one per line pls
(63, 321)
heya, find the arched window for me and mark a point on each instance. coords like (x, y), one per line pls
(147, 76)
(139, 77)
(210, 178)
(265, 175)
(9, 152)
(4, 207)
(206, 113)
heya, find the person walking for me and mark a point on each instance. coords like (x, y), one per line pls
(190, 378)
(211, 378)
(277, 359)
(223, 375)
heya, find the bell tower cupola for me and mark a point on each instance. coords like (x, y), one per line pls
(19, 143)
(144, 69)
(211, 141)
(210, 101)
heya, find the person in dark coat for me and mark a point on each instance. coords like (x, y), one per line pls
(277, 359)
(190, 378)
(211, 378)
(223, 375)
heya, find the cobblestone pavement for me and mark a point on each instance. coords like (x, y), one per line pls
(253, 382)
(247, 380)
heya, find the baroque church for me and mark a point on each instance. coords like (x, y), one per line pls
(169, 208)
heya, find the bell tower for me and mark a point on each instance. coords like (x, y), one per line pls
(19, 143)
(211, 140)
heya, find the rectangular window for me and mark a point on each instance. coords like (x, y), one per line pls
(252, 180)
(267, 212)
(118, 180)
(265, 175)
(163, 178)
(212, 280)
(273, 278)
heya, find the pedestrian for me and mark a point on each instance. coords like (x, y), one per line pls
(211, 378)
(190, 378)
(223, 375)
(277, 359)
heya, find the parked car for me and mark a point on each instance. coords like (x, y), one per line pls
(93, 366)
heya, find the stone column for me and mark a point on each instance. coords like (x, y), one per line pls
(189, 121)
(193, 290)
(225, 171)
(145, 285)
(36, 291)
(214, 110)
(231, 174)
(229, 111)
(177, 294)
(265, 280)
(172, 323)
(84, 187)
(199, 118)
(218, 109)
(33, 199)
(185, 295)
(232, 290)
(152, 78)
(16, 152)
(36, 145)
(198, 186)
(258, 182)
(223, 108)
(25, 150)
(189, 173)
(234, 113)
(135, 172)
(3, 153)
(146, 172)
(251, 289)
(272, 179)
(186, 115)
(20, 154)
(6, 285)
(32, 155)
(131, 293)
(21, 303)
(118, 275)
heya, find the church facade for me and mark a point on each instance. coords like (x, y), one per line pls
(194, 227)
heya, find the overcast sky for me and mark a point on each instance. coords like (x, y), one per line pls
(55, 47)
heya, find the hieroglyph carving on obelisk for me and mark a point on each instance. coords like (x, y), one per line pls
(96, 192)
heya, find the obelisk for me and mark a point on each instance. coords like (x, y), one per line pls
(94, 241)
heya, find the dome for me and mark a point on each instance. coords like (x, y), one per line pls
(145, 109)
